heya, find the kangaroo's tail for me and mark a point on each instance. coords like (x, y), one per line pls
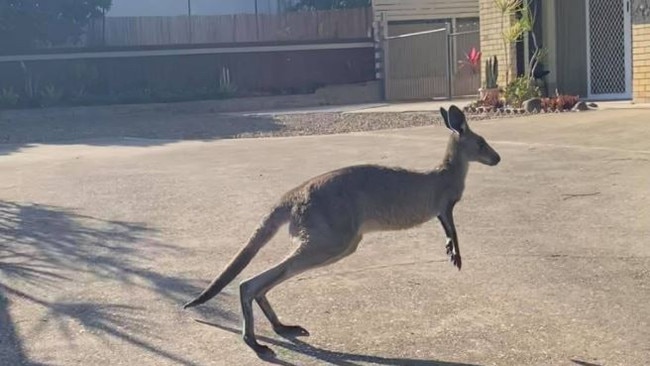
(264, 232)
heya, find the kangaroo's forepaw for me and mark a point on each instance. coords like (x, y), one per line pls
(291, 331)
(450, 248)
(456, 261)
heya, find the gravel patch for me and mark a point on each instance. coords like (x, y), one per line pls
(42, 126)
(336, 123)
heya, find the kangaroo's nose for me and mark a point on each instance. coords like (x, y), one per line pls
(496, 160)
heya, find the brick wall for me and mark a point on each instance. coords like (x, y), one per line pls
(641, 62)
(492, 41)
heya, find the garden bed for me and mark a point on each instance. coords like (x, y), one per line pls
(472, 109)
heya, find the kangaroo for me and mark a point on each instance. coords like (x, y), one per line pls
(329, 214)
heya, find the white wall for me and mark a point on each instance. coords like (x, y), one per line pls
(140, 8)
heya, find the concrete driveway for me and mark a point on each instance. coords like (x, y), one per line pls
(101, 244)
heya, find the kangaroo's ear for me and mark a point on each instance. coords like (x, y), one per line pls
(456, 120)
(445, 117)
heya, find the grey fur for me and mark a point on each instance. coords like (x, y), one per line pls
(329, 214)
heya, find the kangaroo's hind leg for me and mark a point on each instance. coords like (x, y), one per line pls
(296, 330)
(312, 253)
(278, 326)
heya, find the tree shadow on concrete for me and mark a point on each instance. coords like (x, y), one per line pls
(21, 130)
(11, 347)
(43, 249)
(332, 357)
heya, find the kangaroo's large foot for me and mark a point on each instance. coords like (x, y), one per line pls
(260, 349)
(291, 331)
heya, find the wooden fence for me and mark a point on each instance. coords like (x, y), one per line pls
(292, 26)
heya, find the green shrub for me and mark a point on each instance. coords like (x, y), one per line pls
(8, 98)
(51, 96)
(226, 88)
(83, 76)
(520, 90)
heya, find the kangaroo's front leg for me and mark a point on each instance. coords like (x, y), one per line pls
(447, 220)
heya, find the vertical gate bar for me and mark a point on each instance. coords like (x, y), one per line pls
(449, 79)
(628, 49)
(588, 50)
(386, 60)
(454, 45)
(423, 48)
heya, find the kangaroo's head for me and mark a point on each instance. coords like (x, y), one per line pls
(469, 145)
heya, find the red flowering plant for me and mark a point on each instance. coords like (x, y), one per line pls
(472, 60)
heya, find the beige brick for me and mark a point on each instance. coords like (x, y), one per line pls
(491, 41)
(640, 79)
(640, 72)
(638, 58)
(641, 45)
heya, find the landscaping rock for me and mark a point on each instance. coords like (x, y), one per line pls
(532, 105)
(593, 105)
(580, 106)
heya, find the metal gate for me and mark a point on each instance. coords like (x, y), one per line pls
(417, 65)
(609, 72)
(430, 64)
(465, 69)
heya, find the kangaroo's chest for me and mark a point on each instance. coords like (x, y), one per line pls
(398, 215)
(408, 211)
